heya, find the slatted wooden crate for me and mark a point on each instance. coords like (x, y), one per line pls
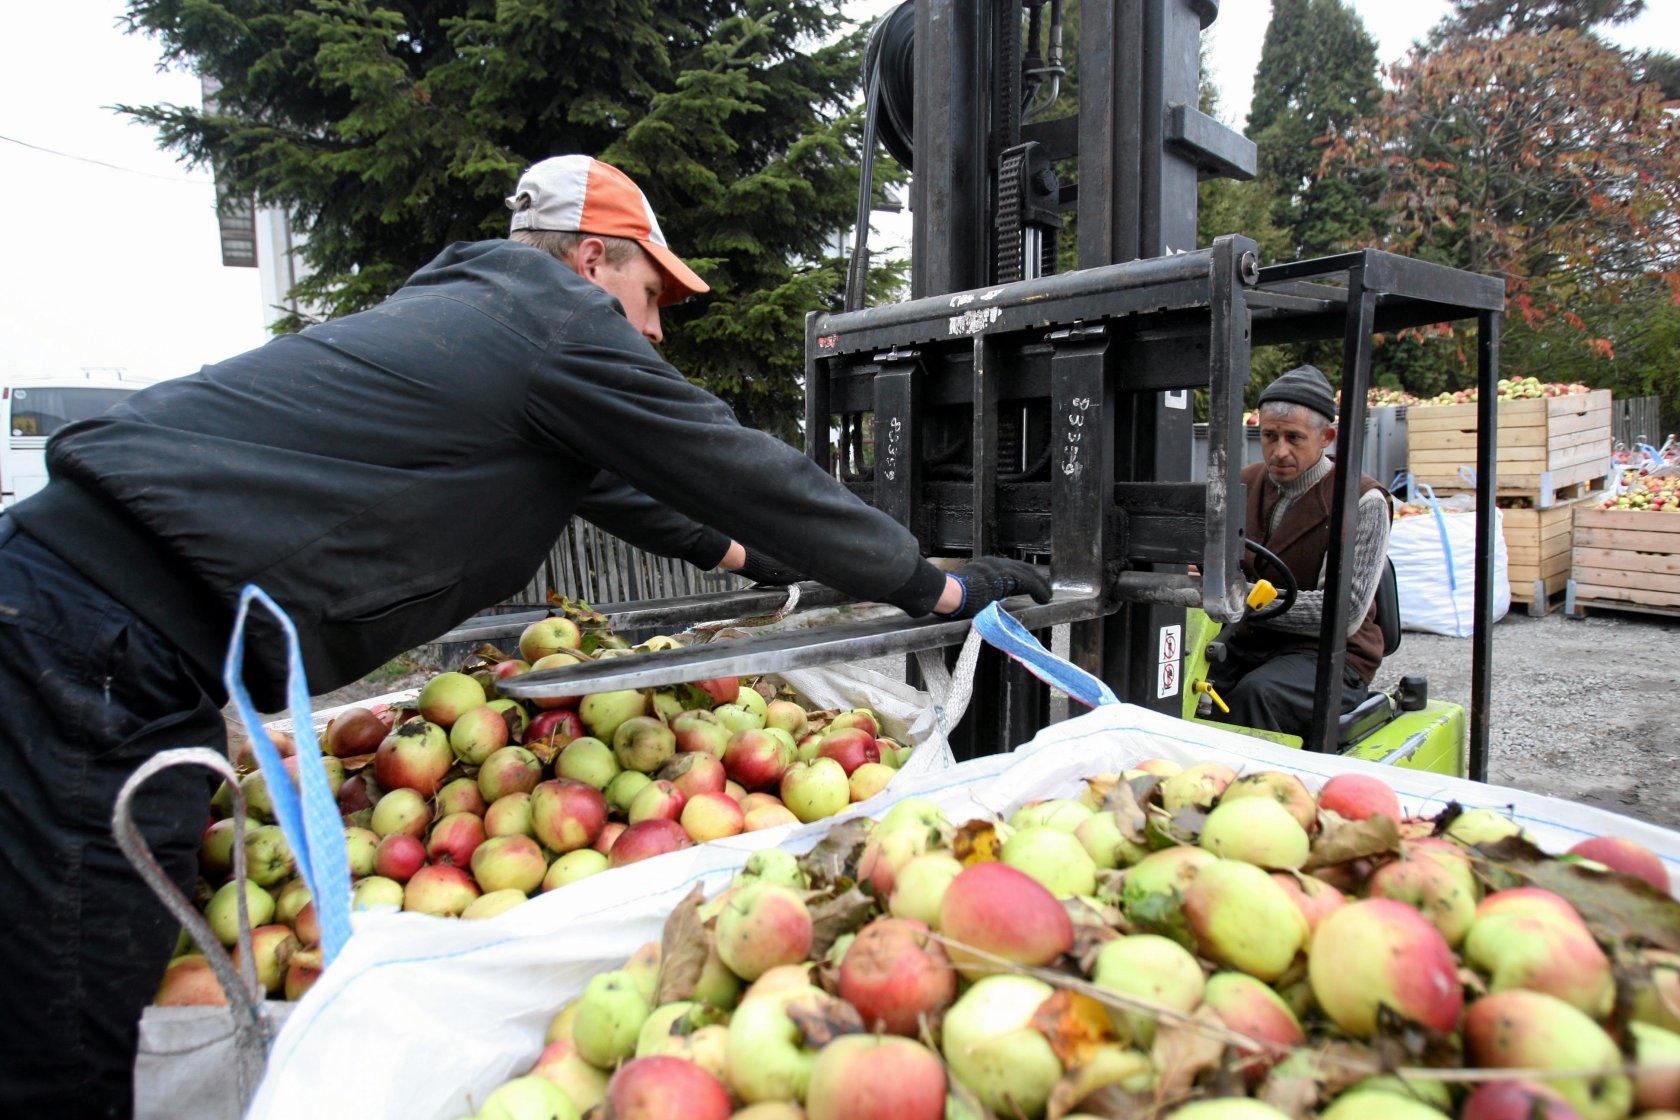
(1547, 445)
(1625, 560)
(1539, 543)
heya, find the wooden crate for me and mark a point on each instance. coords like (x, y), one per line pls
(1546, 444)
(1539, 543)
(1626, 560)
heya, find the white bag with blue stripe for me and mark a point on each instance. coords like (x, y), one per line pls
(421, 1018)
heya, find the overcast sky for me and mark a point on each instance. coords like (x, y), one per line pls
(111, 254)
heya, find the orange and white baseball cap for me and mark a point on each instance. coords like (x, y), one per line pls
(577, 194)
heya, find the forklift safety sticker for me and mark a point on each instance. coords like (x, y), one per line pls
(974, 321)
(827, 341)
(1171, 650)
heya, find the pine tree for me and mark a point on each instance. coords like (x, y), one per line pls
(1515, 17)
(1317, 72)
(389, 130)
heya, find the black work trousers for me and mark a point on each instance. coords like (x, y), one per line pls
(1275, 693)
(87, 693)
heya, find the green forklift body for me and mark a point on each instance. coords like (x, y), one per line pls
(1434, 738)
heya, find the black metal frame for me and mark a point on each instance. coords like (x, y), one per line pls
(1109, 352)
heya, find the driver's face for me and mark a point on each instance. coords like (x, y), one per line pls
(1294, 444)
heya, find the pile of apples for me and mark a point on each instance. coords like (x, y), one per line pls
(1174, 943)
(465, 804)
(1654, 493)
(1515, 388)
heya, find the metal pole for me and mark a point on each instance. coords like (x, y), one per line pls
(1344, 506)
(1487, 438)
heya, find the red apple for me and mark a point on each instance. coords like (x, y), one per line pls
(1625, 856)
(554, 727)
(398, 857)
(353, 732)
(415, 756)
(1359, 797)
(896, 977)
(757, 759)
(858, 1075)
(850, 747)
(567, 815)
(722, 690)
(666, 1088)
(1005, 913)
(712, 816)
(454, 839)
(440, 891)
(646, 840)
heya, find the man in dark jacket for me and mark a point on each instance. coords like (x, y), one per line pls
(382, 476)
(1270, 668)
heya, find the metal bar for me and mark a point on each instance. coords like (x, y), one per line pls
(984, 439)
(1487, 437)
(818, 414)
(1344, 506)
(1225, 507)
(898, 452)
(950, 133)
(1151, 273)
(847, 642)
(1081, 463)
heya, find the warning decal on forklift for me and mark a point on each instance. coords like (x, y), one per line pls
(1166, 674)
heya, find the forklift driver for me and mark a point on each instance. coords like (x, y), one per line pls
(382, 476)
(1267, 677)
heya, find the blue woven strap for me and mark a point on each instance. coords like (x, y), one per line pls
(1012, 638)
(312, 825)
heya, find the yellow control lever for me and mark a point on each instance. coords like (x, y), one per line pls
(1204, 686)
(1261, 594)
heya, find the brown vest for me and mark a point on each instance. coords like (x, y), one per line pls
(1301, 541)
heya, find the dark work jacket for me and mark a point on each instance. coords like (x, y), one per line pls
(387, 474)
(1301, 541)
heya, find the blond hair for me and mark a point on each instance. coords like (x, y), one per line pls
(561, 244)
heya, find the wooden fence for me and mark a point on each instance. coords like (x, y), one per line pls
(1636, 420)
(589, 564)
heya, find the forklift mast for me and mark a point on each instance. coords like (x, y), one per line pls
(1010, 409)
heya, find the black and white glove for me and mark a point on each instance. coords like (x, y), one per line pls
(764, 571)
(990, 578)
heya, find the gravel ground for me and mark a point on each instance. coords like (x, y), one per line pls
(1578, 705)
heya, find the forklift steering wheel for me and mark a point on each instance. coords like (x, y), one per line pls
(1286, 595)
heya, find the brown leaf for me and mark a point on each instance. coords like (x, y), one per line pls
(822, 1021)
(833, 918)
(547, 747)
(1114, 1081)
(1400, 1042)
(1292, 1093)
(1183, 1052)
(357, 762)
(683, 948)
(1123, 801)
(490, 655)
(1615, 907)
(833, 862)
(1092, 929)
(976, 842)
(1341, 840)
(1075, 1024)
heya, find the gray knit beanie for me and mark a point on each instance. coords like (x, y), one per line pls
(1306, 386)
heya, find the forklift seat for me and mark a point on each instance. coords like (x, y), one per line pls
(1388, 608)
(1376, 709)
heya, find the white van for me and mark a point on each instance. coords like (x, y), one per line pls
(33, 408)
